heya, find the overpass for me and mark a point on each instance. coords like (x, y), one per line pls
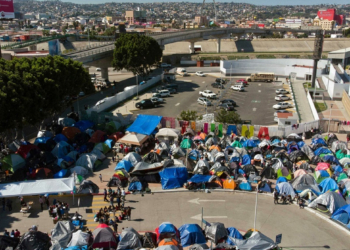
(91, 54)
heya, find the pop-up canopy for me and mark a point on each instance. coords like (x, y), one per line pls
(37, 187)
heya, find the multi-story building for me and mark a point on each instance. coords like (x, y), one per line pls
(324, 23)
(135, 16)
(331, 15)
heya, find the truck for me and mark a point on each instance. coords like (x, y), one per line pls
(208, 94)
(182, 71)
(262, 77)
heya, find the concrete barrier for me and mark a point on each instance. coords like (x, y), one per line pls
(312, 106)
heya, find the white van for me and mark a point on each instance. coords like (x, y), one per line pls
(182, 71)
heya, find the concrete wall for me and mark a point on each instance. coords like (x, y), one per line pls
(281, 67)
(312, 106)
(335, 90)
(346, 101)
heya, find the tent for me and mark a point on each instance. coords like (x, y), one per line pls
(145, 124)
(198, 178)
(342, 215)
(264, 187)
(191, 234)
(202, 167)
(145, 168)
(256, 241)
(299, 172)
(12, 162)
(330, 159)
(322, 150)
(322, 166)
(129, 239)
(66, 121)
(98, 136)
(7, 242)
(104, 237)
(62, 149)
(233, 233)
(245, 186)
(186, 143)
(173, 177)
(285, 187)
(133, 139)
(249, 144)
(87, 161)
(79, 238)
(24, 150)
(305, 181)
(167, 230)
(62, 173)
(79, 170)
(103, 147)
(281, 179)
(215, 232)
(62, 232)
(229, 184)
(135, 185)
(133, 158)
(112, 127)
(331, 200)
(321, 175)
(88, 187)
(236, 144)
(34, 240)
(328, 184)
(123, 164)
(83, 125)
(70, 132)
(44, 133)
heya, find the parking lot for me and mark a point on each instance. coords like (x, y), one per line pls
(254, 104)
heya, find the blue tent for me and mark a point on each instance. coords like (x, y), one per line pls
(338, 169)
(135, 186)
(285, 187)
(231, 128)
(60, 137)
(322, 150)
(328, 184)
(83, 125)
(174, 177)
(41, 140)
(198, 178)
(145, 124)
(342, 215)
(82, 149)
(194, 155)
(61, 174)
(319, 141)
(265, 188)
(62, 149)
(281, 179)
(249, 144)
(246, 160)
(76, 248)
(191, 234)
(234, 233)
(123, 164)
(323, 173)
(245, 186)
(109, 143)
(301, 144)
(331, 159)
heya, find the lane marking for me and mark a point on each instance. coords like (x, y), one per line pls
(259, 84)
(254, 109)
(197, 201)
(199, 217)
(259, 91)
(177, 104)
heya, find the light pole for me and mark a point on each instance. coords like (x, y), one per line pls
(89, 36)
(256, 208)
(137, 83)
(231, 76)
(330, 115)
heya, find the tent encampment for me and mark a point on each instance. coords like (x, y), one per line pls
(145, 124)
(62, 232)
(174, 177)
(191, 234)
(331, 200)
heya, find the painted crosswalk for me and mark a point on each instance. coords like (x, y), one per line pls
(97, 203)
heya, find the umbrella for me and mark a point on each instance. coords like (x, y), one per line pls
(167, 132)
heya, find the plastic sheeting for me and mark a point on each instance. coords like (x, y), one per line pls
(285, 187)
(191, 234)
(331, 200)
(62, 232)
(233, 233)
(174, 177)
(256, 241)
(145, 124)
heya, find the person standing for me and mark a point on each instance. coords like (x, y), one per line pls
(129, 213)
(105, 195)
(100, 176)
(123, 194)
(118, 201)
(113, 158)
(115, 225)
(17, 234)
(41, 203)
(47, 201)
(112, 199)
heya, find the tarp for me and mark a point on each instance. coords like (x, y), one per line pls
(83, 125)
(62, 232)
(145, 124)
(328, 184)
(342, 214)
(285, 187)
(198, 178)
(129, 239)
(133, 139)
(331, 200)
(256, 241)
(123, 164)
(233, 233)
(305, 181)
(38, 187)
(35, 240)
(191, 234)
(174, 177)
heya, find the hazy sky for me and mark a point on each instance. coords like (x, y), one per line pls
(258, 2)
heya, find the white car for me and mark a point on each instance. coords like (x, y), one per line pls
(200, 73)
(281, 91)
(98, 69)
(157, 100)
(282, 98)
(238, 87)
(204, 101)
(164, 93)
(207, 93)
(81, 94)
(282, 105)
(281, 111)
(165, 65)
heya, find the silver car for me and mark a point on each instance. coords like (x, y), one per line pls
(204, 101)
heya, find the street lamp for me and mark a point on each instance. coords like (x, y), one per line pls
(256, 208)
(137, 84)
(330, 115)
(231, 75)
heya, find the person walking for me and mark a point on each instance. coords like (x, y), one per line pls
(41, 201)
(123, 194)
(100, 176)
(105, 195)
(129, 213)
(47, 201)
(118, 201)
(111, 200)
(113, 158)
(115, 225)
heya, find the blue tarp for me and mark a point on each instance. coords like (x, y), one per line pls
(300, 144)
(249, 144)
(328, 184)
(61, 174)
(198, 178)
(231, 128)
(234, 233)
(191, 234)
(281, 179)
(174, 177)
(83, 125)
(123, 164)
(77, 248)
(245, 186)
(135, 186)
(342, 215)
(319, 141)
(331, 158)
(145, 124)
(41, 140)
(194, 155)
(109, 143)
(265, 188)
(59, 137)
(322, 151)
(246, 160)
(275, 141)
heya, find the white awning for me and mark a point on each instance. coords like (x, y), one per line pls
(39, 187)
(133, 139)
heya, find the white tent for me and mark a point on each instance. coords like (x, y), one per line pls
(167, 132)
(133, 139)
(79, 238)
(37, 187)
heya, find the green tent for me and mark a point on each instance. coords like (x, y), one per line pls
(186, 143)
(12, 162)
(318, 177)
(102, 147)
(342, 176)
(339, 154)
(236, 144)
(113, 127)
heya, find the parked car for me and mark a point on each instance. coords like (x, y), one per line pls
(207, 93)
(146, 103)
(238, 88)
(281, 111)
(200, 73)
(217, 85)
(165, 65)
(157, 100)
(233, 103)
(282, 105)
(172, 91)
(242, 81)
(223, 81)
(282, 98)
(98, 69)
(81, 94)
(204, 101)
(281, 91)
(226, 106)
(164, 93)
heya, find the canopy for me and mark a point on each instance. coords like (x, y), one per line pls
(133, 139)
(174, 177)
(145, 124)
(167, 132)
(37, 187)
(191, 234)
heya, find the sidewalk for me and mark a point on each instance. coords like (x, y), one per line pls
(338, 113)
(301, 100)
(129, 106)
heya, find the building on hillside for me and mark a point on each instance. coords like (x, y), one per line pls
(325, 24)
(135, 16)
(331, 15)
(201, 20)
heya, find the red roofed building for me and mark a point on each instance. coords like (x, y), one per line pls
(331, 15)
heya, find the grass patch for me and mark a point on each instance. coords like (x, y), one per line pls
(320, 106)
(237, 57)
(307, 85)
(265, 56)
(210, 58)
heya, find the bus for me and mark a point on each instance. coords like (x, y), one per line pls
(262, 77)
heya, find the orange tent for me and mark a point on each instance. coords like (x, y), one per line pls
(98, 136)
(203, 135)
(116, 136)
(215, 147)
(229, 184)
(168, 241)
(70, 132)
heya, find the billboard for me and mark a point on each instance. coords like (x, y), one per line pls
(6, 9)
(54, 47)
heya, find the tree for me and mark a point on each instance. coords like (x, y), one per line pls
(228, 117)
(189, 115)
(121, 28)
(46, 32)
(136, 53)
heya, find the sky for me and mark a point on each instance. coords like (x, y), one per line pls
(257, 2)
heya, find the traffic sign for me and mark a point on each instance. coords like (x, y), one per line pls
(278, 238)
